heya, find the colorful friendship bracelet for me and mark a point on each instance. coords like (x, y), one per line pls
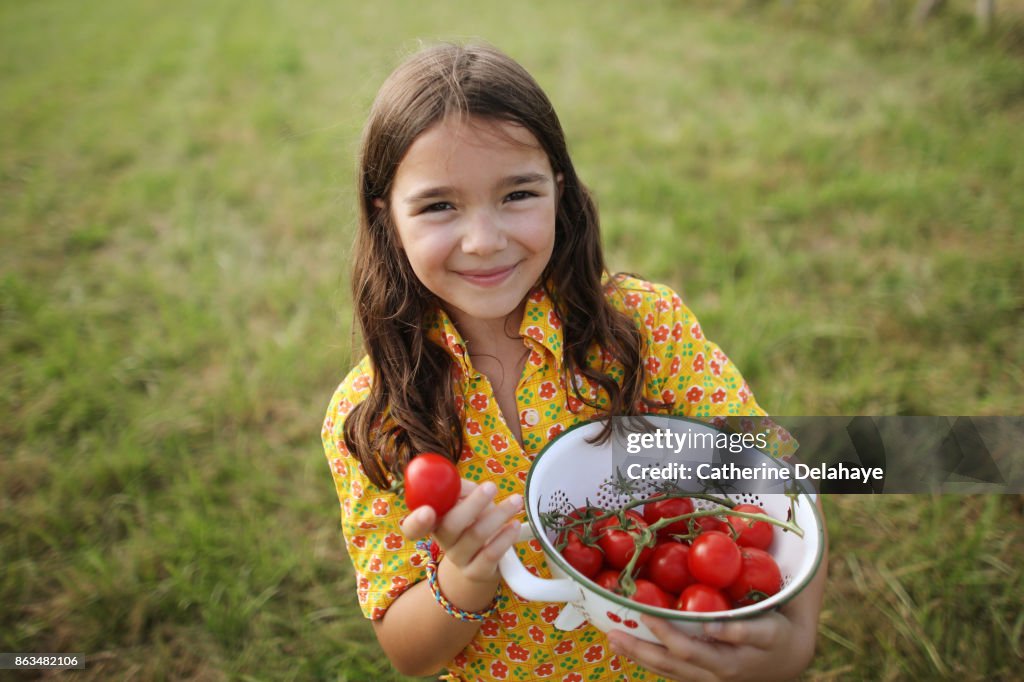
(433, 558)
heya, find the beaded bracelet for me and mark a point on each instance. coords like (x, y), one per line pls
(433, 558)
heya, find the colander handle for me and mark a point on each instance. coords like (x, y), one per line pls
(530, 587)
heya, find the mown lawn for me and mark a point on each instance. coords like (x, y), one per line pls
(839, 199)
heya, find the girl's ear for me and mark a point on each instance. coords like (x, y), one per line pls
(378, 203)
(560, 181)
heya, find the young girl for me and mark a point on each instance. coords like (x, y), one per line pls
(490, 325)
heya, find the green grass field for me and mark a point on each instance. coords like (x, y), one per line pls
(838, 198)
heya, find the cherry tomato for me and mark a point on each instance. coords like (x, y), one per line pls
(649, 593)
(702, 598)
(433, 480)
(668, 567)
(751, 533)
(714, 559)
(584, 558)
(584, 530)
(759, 577)
(616, 539)
(608, 579)
(666, 509)
(706, 524)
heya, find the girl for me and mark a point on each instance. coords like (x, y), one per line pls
(490, 325)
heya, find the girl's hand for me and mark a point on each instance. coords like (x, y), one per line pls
(474, 534)
(765, 648)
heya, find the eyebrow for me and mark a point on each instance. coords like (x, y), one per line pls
(511, 181)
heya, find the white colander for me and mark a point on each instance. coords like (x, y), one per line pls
(570, 472)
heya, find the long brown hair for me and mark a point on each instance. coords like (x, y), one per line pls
(412, 402)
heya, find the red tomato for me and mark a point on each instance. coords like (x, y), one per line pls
(649, 593)
(584, 558)
(587, 514)
(608, 579)
(702, 598)
(706, 524)
(714, 559)
(668, 567)
(433, 480)
(666, 509)
(759, 577)
(617, 540)
(751, 533)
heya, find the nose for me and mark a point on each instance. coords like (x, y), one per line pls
(484, 234)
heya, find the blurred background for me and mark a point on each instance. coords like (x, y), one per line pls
(835, 188)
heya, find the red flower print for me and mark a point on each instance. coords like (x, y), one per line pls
(695, 331)
(398, 584)
(615, 663)
(362, 382)
(416, 559)
(521, 475)
(339, 467)
(357, 489)
(716, 368)
(553, 320)
(677, 302)
(509, 620)
(783, 435)
(719, 396)
(573, 677)
(500, 444)
(489, 627)
(535, 333)
(661, 305)
(677, 362)
(380, 507)
(632, 300)
(536, 358)
(466, 454)
(377, 613)
(460, 660)
(359, 541)
(744, 393)
(517, 653)
(668, 396)
(535, 545)
(544, 670)
(653, 364)
(695, 394)
(534, 570)
(479, 401)
(344, 407)
(366, 525)
(375, 564)
(536, 634)
(473, 427)
(720, 356)
(649, 321)
(499, 670)
(719, 422)
(495, 466)
(594, 653)
(677, 331)
(661, 334)
(547, 390)
(460, 402)
(564, 647)
(550, 613)
(555, 430)
(746, 425)
(537, 296)
(393, 541)
(363, 582)
(573, 403)
(698, 363)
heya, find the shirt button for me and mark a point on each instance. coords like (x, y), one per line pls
(531, 417)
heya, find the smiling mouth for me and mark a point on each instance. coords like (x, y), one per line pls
(487, 277)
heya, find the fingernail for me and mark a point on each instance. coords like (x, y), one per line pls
(516, 501)
(489, 488)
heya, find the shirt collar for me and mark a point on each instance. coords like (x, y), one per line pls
(541, 330)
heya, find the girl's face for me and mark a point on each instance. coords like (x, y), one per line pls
(474, 204)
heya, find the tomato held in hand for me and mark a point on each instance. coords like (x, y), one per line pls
(702, 598)
(617, 539)
(649, 593)
(751, 533)
(759, 577)
(433, 480)
(668, 567)
(667, 509)
(714, 559)
(584, 558)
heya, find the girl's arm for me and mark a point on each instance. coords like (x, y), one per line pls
(417, 635)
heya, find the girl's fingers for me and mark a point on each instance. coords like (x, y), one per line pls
(419, 523)
(485, 563)
(464, 514)
(484, 530)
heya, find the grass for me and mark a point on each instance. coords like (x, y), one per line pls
(836, 197)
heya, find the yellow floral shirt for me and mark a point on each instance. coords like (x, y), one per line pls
(519, 642)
